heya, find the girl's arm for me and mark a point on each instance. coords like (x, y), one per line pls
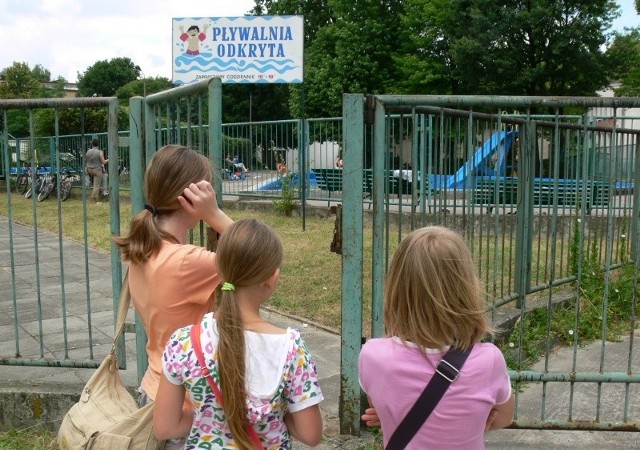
(501, 415)
(170, 420)
(305, 425)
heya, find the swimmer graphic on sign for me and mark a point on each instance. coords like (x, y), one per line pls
(193, 37)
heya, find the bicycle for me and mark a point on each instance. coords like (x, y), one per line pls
(36, 188)
(51, 183)
(23, 182)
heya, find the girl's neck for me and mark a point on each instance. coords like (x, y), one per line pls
(249, 299)
(176, 225)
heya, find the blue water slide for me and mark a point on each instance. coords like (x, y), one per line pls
(275, 183)
(478, 165)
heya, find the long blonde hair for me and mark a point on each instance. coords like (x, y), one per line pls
(432, 295)
(172, 169)
(249, 252)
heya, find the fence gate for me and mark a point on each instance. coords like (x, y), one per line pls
(546, 202)
(57, 296)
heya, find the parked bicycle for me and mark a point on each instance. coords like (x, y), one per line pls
(35, 189)
(23, 182)
(51, 183)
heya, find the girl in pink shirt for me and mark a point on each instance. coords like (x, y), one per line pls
(433, 300)
(171, 282)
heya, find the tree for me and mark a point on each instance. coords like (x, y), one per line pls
(624, 61)
(353, 53)
(141, 87)
(20, 81)
(530, 47)
(533, 47)
(254, 102)
(424, 62)
(271, 102)
(317, 13)
(105, 77)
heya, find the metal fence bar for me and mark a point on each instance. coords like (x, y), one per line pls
(352, 289)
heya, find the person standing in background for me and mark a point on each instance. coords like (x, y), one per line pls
(94, 167)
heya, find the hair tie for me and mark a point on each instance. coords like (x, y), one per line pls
(152, 209)
(228, 287)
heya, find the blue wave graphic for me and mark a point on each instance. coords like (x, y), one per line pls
(203, 63)
(215, 68)
(277, 81)
(259, 81)
(205, 59)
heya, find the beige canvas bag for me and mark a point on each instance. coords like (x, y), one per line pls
(107, 416)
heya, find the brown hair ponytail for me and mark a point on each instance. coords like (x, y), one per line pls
(249, 252)
(172, 169)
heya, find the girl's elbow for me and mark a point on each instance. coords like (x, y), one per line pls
(312, 439)
(161, 434)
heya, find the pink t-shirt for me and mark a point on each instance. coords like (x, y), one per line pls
(394, 375)
(170, 291)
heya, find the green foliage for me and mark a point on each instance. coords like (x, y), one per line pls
(624, 62)
(105, 77)
(540, 47)
(236, 145)
(19, 81)
(254, 103)
(146, 86)
(78, 121)
(427, 70)
(589, 318)
(288, 200)
(353, 54)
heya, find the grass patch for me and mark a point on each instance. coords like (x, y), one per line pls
(605, 309)
(36, 438)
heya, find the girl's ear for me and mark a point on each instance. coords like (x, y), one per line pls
(272, 281)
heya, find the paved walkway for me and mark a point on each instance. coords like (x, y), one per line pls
(47, 339)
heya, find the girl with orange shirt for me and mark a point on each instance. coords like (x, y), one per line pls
(171, 282)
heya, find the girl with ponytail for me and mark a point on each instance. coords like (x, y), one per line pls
(265, 374)
(171, 282)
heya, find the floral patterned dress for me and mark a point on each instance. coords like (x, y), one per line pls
(281, 377)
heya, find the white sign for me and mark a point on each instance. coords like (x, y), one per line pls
(248, 49)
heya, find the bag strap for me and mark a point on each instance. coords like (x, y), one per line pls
(123, 308)
(446, 373)
(195, 342)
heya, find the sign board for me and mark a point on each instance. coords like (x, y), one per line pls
(248, 49)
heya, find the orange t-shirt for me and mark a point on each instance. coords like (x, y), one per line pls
(171, 290)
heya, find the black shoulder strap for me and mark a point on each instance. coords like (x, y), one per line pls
(446, 373)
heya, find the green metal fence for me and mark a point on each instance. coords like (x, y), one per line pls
(545, 200)
(546, 203)
(42, 319)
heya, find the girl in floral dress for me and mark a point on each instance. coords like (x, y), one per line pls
(265, 374)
